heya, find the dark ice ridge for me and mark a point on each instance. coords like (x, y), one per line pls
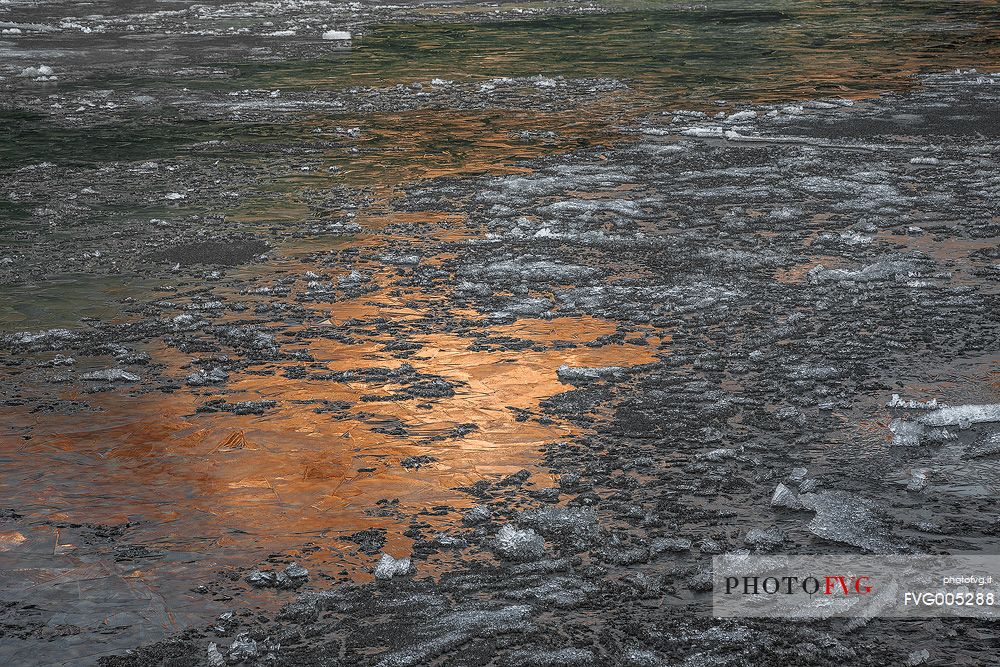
(807, 262)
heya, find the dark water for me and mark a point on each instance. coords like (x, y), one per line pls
(736, 51)
(729, 50)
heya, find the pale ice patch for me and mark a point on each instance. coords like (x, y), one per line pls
(339, 35)
(962, 416)
(389, 567)
(522, 545)
(582, 374)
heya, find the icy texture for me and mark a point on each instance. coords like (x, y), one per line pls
(962, 415)
(204, 377)
(519, 545)
(901, 404)
(844, 517)
(562, 520)
(878, 271)
(672, 544)
(242, 648)
(43, 72)
(581, 375)
(918, 481)
(985, 446)
(906, 433)
(215, 657)
(476, 515)
(389, 567)
(293, 576)
(563, 657)
(110, 375)
(634, 656)
(451, 630)
(529, 269)
(764, 538)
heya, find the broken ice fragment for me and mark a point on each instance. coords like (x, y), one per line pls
(962, 415)
(389, 567)
(717, 455)
(519, 545)
(764, 539)
(478, 514)
(203, 377)
(110, 375)
(339, 35)
(901, 404)
(294, 576)
(906, 433)
(242, 648)
(215, 658)
(785, 497)
(797, 474)
(672, 544)
(844, 517)
(569, 375)
(918, 481)
(36, 72)
(985, 446)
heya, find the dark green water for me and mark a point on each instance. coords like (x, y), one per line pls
(740, 50)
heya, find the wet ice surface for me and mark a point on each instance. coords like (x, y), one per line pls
(502, 344)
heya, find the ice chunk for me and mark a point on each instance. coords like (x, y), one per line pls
(579, 523)
(570, 375)
(985, 446)
(634, 656)
(844, 517)
(52, 338)
(901, 404)
(389, 567)
(294, 576)
(296, 571)
(918, 480)
(962, 415)
(877, 271)
(717, 455)
(741, 116)
(242, 648)
(906, 433)
(215, 657)
(339, 35)
(203, 377)
(110, 375)
(764, 539)
(43, 72)
(704, 132)
(529, 269)
(785, 497)
(519, 545)
(673, 544)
